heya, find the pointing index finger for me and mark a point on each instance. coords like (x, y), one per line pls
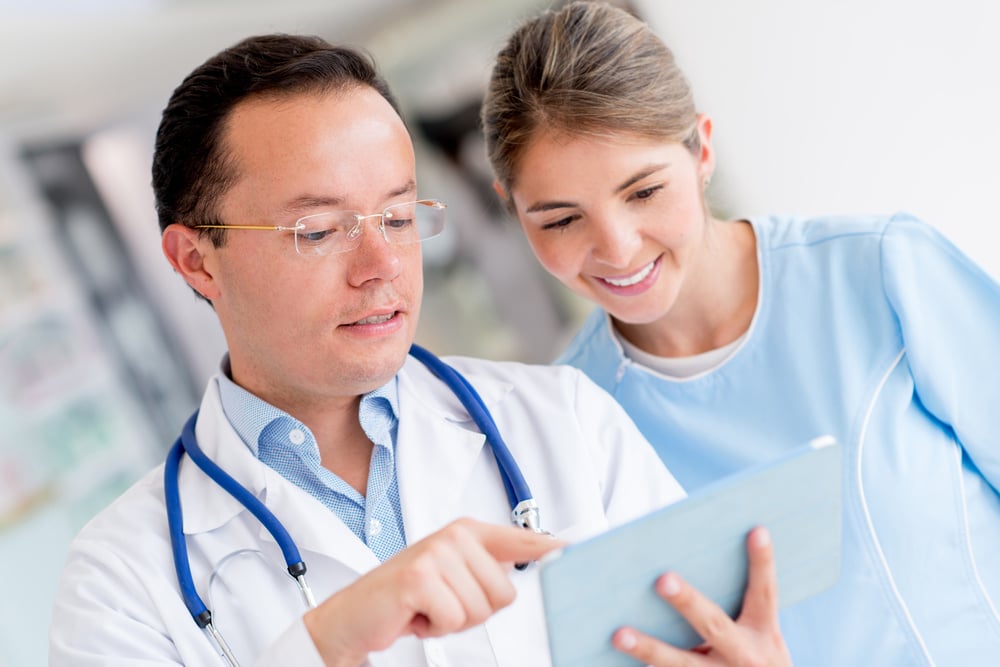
(513, 544)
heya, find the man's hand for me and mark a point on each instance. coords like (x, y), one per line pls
(451, 580)
(752, 640)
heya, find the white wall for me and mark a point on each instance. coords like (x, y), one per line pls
(850, 106)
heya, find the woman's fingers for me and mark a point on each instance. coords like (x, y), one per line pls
(760, 603)
(754, 638)
(650, 651)
(708, 619)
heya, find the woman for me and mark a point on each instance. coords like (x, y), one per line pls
(731, 341)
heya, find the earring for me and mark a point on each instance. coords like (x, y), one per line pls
(708, 179)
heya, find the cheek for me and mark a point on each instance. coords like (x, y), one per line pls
(415, 285)
(554, 253)
(684, 225)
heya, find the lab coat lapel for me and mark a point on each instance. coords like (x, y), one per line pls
(207, 506)
(312, 526)
(437, 449)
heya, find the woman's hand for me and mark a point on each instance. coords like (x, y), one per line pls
(752, 640)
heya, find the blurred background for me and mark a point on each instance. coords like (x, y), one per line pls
(819, 107)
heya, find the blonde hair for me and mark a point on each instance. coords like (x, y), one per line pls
(586, 69)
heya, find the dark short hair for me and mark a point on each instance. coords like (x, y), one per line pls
(191, 169)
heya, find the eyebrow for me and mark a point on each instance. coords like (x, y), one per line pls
(648, 170)
(629, 182)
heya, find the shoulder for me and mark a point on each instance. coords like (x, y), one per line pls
(517, 387)
(517, 374)
(907, 229)
(137, 514)
(117, 549)
(596, 350)
(790, 232)
(594, 332)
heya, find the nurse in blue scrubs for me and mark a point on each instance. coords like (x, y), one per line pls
(731, 341)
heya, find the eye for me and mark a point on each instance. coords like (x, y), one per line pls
(562, 223)
(326, 227)
(317, 235)
(647, 193)
(401, 217)
(392, 222)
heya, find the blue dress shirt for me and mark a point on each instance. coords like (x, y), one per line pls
(288, 446)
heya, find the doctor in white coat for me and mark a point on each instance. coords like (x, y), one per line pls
(370, 462)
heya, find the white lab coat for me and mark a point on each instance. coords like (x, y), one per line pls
(586, 463)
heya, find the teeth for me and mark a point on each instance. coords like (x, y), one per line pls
(376, 319)
(633, 279)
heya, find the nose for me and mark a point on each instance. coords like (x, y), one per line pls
(615, 242)
(374, 258)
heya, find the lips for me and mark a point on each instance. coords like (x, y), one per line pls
(375, 319)
(632, 279)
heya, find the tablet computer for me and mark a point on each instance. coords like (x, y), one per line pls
(592, 588)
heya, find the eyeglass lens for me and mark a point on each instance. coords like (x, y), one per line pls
(340, 231)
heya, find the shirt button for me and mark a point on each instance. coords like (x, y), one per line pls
(296, 436)
(374, 528)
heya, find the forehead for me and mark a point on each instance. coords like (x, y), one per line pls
(561, 157)
(341, 139)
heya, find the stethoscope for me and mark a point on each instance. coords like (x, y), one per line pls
(524, 512)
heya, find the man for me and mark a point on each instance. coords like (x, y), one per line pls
(372, 464)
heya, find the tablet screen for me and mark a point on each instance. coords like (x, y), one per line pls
(592, 588)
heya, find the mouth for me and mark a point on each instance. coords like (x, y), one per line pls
(633, 278)
(375, 319)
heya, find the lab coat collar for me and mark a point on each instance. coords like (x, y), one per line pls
(206, 506)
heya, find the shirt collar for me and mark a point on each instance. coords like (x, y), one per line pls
(250, 414)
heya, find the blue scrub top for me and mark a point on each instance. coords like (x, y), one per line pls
(879, 332)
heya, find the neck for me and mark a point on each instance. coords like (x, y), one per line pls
(344, 448)
(716, 301)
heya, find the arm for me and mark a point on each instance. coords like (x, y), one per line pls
(949, 314)
(106, 614)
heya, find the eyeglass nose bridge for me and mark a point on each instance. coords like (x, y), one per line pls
(354, 235)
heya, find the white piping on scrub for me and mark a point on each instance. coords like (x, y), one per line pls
(968, 538)
(868, 518)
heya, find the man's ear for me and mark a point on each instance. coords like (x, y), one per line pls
(186, 250)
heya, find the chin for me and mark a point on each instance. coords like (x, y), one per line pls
(385, 365)
(637, 317)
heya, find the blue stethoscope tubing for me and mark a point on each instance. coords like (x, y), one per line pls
(524, 509)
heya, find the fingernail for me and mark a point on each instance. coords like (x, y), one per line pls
(670, 585)
(761, 537)
(626, 640)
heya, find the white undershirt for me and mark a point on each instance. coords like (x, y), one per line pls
(680, 367)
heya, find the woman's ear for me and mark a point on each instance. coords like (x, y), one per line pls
(706, 154)
(498, 188)
(186, 250)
